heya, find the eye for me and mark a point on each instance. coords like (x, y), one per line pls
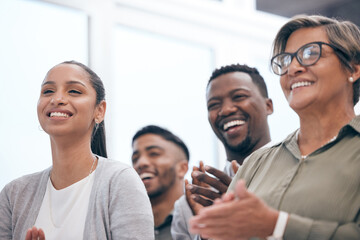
(310, 52)
(213, 105)
(154, 154)
(47, 91)
(134, 158)
(73, 91)
(239, 97)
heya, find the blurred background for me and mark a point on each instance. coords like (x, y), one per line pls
(155, 58)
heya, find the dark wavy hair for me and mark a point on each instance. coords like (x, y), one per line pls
(164, 133)
(98, 139)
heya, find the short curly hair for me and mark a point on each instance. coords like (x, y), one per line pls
(253, 72)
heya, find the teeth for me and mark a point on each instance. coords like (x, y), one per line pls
(300, 84)
(146, 175)
(233, 123)
(58, 114)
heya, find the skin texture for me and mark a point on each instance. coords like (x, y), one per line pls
(242, 214)
(231, 96)
(35, 234)
(162, 166)
(67, 89)
(328, 97)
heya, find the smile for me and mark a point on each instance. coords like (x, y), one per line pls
(146, 176)
(233, 124)
(59, 114)
(300, 84)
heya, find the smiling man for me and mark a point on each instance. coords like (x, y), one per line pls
(238, 106)
(161, 160)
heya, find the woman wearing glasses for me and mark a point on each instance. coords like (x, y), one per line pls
(83, 195)
(306, 187)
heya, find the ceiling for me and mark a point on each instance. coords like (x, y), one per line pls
(344, 9)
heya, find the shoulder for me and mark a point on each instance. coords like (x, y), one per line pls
(117, 174)
(27, 183)
(260, 157)
(110, 166)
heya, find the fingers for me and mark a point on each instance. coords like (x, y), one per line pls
(201, 166)
(240, 190)
(197, 169)
(223, 177)
(35, 234)
(204, 192)
(204, 202)
(205, 180)
(28, 234)
(194, 206)
(41, 234)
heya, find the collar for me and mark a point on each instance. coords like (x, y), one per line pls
(166, 223)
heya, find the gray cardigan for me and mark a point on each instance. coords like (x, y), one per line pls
(119, 207)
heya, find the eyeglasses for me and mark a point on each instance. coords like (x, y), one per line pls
(306, 55)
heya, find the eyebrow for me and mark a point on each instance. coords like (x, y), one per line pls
(231, 92)
(68, 83)
(148, 148)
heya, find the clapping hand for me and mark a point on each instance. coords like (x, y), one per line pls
(204, 188)
(35, 233)
(237, 215)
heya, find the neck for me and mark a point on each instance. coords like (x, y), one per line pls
(72, 161)
(163, 205)
(317, 130)
(240, 156)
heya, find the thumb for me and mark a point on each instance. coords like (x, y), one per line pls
(234, 166)
(240, 190)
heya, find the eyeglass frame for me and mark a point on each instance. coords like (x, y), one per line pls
(295, 54)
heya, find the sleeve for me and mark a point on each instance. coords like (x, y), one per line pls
(129, 208)
(180, 223)
(5, 215)
(301, 228)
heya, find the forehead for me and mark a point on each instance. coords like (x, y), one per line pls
(67, 72)
(229, 82)
(151, 139)
(305, 35)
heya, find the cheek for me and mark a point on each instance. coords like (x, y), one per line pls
(212, 118)
(283, 83)
(40, 107)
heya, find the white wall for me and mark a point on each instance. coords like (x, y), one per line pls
(154, 56)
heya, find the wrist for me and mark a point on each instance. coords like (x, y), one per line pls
(280, 226)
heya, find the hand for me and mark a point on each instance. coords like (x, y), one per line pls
(210, 188)
(35, 234)
(235, 166)
(236, 215)
(195, 207)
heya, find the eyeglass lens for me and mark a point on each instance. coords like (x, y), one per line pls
(306, 56)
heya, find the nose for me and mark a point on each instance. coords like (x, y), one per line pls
(295, 67)
(142, 163)
(227, 108)
(59, 99)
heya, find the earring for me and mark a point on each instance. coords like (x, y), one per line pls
(351, 79)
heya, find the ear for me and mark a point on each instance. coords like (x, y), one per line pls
(356, 73)
(269, 106)
(182, 168)
(100, 111)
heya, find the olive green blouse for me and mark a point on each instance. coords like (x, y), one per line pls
(321, 192)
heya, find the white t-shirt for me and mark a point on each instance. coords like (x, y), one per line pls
(63, 212)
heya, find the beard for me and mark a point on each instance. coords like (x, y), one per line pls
(245, 147)
(166, 181)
